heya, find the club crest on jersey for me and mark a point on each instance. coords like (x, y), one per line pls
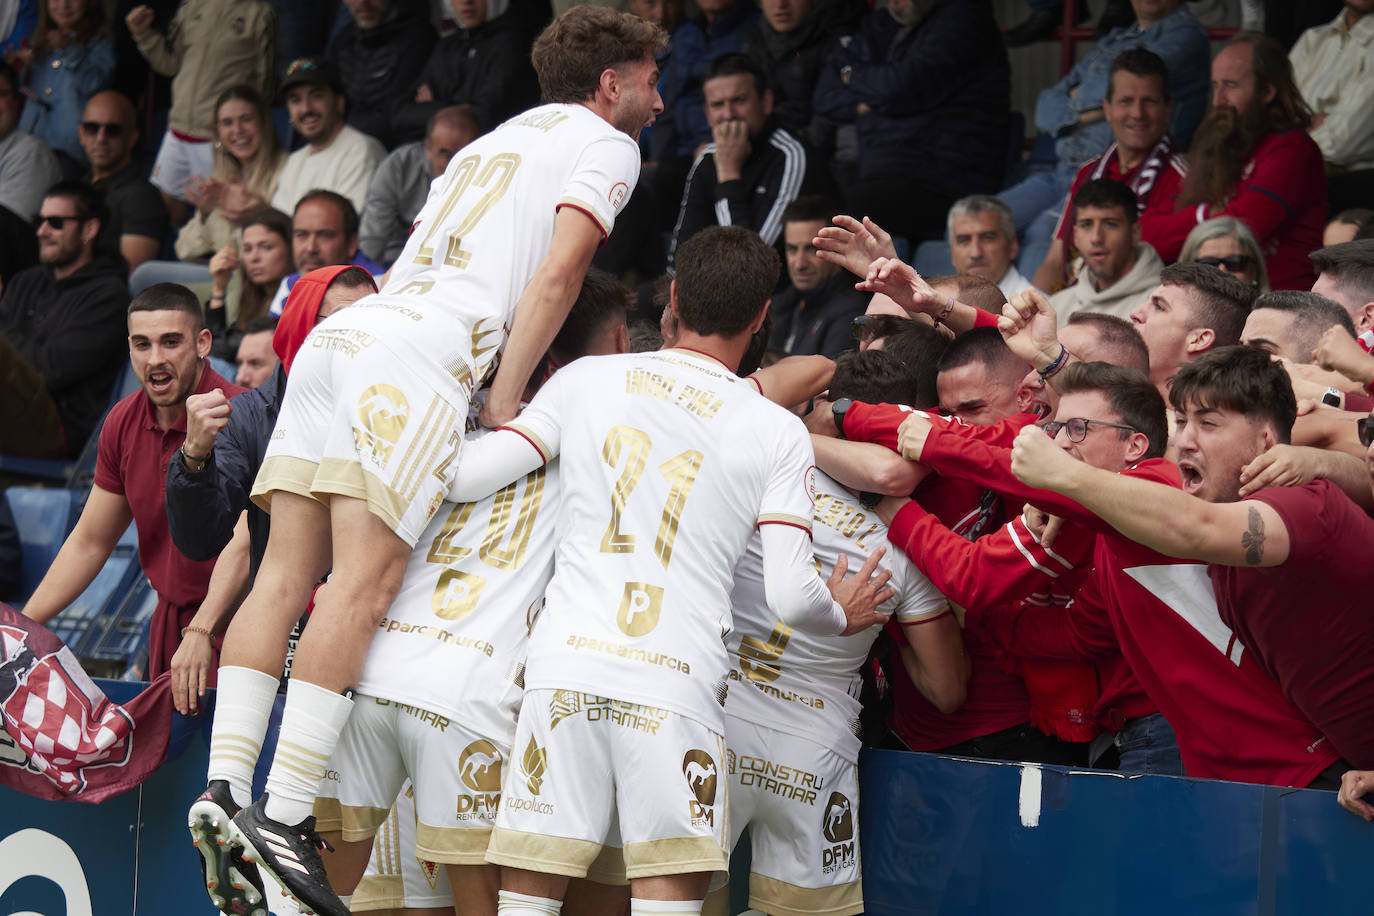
(810, 481)
(382, 414)
(699, 769)
(640, 607)
(617, 195)
(479, 767)
(837, 826)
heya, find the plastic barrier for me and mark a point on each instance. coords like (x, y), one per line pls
(939, 834)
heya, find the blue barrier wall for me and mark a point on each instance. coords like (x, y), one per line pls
(939, 835)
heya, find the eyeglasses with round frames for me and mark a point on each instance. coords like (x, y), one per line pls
(1077, 427)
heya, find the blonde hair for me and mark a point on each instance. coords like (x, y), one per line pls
(259, 175)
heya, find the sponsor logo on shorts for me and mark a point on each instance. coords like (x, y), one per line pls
(639, 608)
(787, 782)
(382, 414)
(837, 826)
(634, 716)
(533, 764)
(431, 872)
(479, 767)
(699, 769)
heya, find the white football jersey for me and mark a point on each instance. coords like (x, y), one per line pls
(669, 462)
(808, 685)
(488, 222)
(454, 640)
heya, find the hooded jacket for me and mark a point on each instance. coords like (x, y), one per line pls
(380, 67)
(1119, 299)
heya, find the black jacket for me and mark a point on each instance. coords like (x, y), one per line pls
(824, 325)
(939, 93)
(487, 67)
(202, 508)
(380, 68)
(74, 332)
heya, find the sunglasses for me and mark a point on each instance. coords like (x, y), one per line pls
(56, 222)
(1232, 263)
(92, 128)
(1365, 427)
(1077, 428)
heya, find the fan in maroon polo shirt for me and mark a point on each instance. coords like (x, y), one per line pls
(168, 346)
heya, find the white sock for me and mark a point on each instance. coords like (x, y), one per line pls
(310, 727)
(243, 704)
(509, 903)
(641, 907)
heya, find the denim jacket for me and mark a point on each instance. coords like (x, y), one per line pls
(62, 81)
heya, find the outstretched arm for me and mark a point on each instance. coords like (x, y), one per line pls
(853, 245)
(87, 548)
(793, 590)
(488, 463)
(901, 283)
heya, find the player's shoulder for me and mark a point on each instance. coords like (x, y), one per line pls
(561, 123)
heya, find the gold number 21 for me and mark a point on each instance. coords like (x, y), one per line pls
(632, 446)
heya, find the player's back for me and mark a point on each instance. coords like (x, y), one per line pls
(669, 461)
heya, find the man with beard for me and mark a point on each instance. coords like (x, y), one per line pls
(168, 346)
(60, 348)
(324, 233)
(1252, 158)
(751, 170)
(109, 134)
(336, 157)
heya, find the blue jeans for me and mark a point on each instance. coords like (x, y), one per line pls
(1032, 198)
(1148, 745)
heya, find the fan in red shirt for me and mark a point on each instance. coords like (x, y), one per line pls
(168, 346)
(1253, 159)
(1291, 567)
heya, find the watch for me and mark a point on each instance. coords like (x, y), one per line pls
(838, 410)
(1332, 397)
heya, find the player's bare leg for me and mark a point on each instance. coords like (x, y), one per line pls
(474, 888)
(592, 898)
(346, 862)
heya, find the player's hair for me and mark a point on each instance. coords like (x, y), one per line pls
(1362, 218)
(810, 208)
(1312, 315)
(871, 376)
(1133, 398)
(919, 348)
(260, 324)
(1270, 64)
(570, 55)
(984, 347)
(170, 297)
(1241, 379)
(602, 301)
(971, 289)
(1221, 227)
(737, 63)
(1350, 265)
(725, 274)
(89, 202)
(1140, 62)
(346, 208)
(1117, 339)
(354, 277)
(645, 337)
(980, 203)
(1106, 194)
(1221, 302)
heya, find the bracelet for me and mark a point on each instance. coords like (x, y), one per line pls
(1053, 368)
(944, 312)
(219, 298)
(195, 629)
(188, 459)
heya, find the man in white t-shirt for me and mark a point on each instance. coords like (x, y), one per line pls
(669, 461)
(369, 432)
(336, 157)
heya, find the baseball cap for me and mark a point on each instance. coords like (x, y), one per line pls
(309, 71)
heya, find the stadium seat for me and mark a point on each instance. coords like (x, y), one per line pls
(43, 517)
(224, 367)
(86, 620)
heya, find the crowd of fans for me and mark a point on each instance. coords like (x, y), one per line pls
(1184, 207)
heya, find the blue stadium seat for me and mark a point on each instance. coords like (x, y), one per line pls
(224, 367)
(932, 259)
(123, 635)
(86, 620)
(43, 517)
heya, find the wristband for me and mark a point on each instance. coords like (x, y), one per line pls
(1053, 368)
(187, 460)
(195, 629)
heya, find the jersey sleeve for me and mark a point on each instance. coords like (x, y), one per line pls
(489, 462)
(918, 600)
(108, 475)
(789, 495)
(600, 185)
(1329, 536)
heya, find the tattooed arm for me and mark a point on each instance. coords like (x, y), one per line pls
(1244, 533)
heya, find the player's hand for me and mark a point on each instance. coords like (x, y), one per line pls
(1338, 351)
(853, 245)
(861, 593)
(1038, 462)
(139, 20)
(732, 149)
(191, 664)
(1044, 526)
(1029, 325)
(912, 435)
(1355, 785)
(901, 283)
(1281, 466)
(206, 415)
(494, 415)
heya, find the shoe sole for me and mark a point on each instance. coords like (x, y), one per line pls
(231, 889)
(250, 853)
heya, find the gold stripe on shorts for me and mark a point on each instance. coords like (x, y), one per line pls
(378, 892)
(555, 855)
(778, 898)
(345, 477)
(362, 822)
(673, 856)
(608, 867)
(327, 815)
(285, 473)
(452, 845)
(422, 456)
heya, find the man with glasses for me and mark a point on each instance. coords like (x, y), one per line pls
(1289, 568)
(61, 335)
(108, 134)
(27, 166)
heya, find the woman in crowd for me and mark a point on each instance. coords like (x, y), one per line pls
(1228, 245)
(244, 280)
(72, 59)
